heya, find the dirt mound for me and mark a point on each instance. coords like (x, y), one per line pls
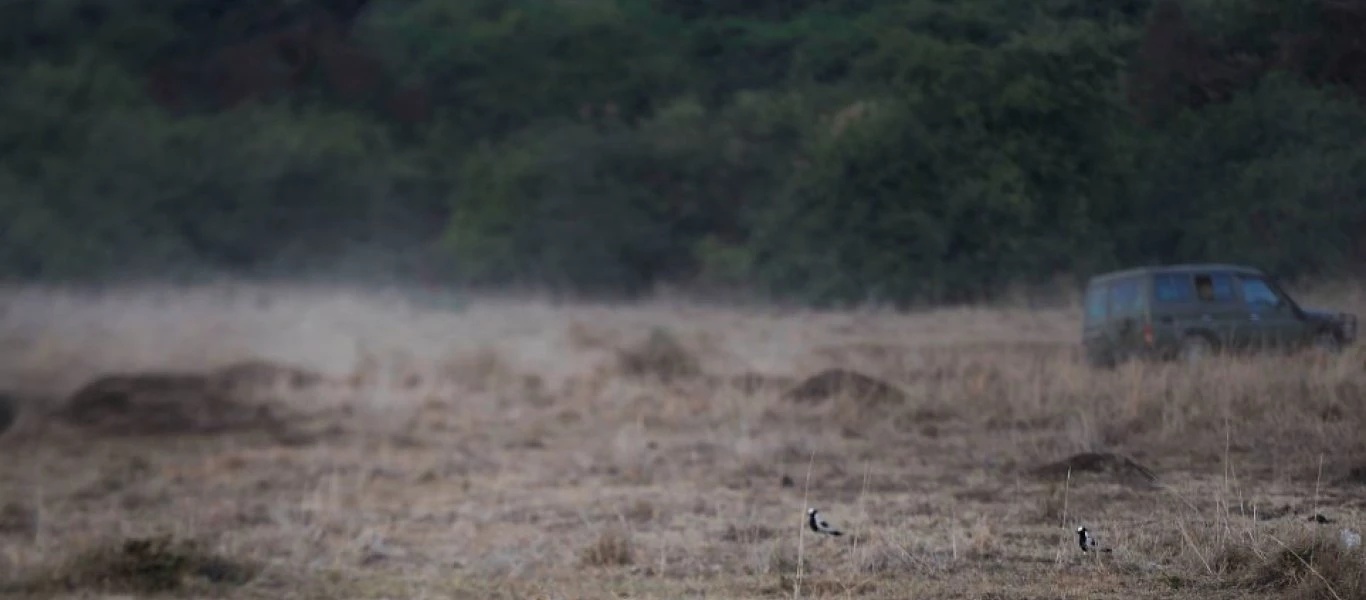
(1120, 467)
(233, 397)
(158, 404)
(834, 383)
(142, 566)
(261, 374)
(660, 356)
(753, 383)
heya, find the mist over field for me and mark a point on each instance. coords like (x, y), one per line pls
(510, 299)
(267, 441)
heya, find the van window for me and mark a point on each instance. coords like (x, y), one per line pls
(1174, 287)
(1095, 304)
(1257, 293)
(1214, 287)
(1126, 297)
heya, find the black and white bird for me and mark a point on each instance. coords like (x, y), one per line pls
(1088, 541)
(818, 524)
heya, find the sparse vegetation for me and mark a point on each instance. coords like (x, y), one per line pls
(152, 565)
(612, 549)
(525, 456)
(660, 356)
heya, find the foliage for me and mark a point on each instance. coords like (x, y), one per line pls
(829, 150)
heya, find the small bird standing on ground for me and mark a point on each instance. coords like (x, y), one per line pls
(1088, 541)
(818, 523)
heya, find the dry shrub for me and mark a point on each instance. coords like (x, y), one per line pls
(887, 559)
(613, 548)
(750, 533)
(660, 356)
(1311, 568)
(1280, 403)
(143, 566)
(641, 511)
(480, 371)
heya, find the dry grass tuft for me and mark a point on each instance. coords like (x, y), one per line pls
(1312, 567)
(613, 548)
(154, 565)
(660, 356)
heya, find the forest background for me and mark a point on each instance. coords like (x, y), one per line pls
(822, 151)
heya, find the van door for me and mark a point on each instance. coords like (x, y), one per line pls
(1094, 339)
(1272, 323)
(1128, 312)
(1219, 311)
(1176, 310)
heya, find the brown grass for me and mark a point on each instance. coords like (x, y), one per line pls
(519, 449)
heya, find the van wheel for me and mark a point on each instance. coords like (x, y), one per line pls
(1327, 341)
(1194, 348)
(1102, 362)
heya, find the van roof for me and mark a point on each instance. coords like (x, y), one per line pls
(1178, 268)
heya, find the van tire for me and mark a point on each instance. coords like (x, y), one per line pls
(1101, 360)
(1194, 348)
(1328, 342)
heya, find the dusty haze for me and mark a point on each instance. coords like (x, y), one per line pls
(440, 447)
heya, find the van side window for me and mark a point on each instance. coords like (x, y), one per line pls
(1095, 304)
(1126, 297)
(1214, 287)
(1257, 293)
(1173, 287)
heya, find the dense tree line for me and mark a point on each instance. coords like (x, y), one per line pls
(829, 150)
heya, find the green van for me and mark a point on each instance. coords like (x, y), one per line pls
(1188, 311)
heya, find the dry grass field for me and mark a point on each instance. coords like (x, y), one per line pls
(273, 443)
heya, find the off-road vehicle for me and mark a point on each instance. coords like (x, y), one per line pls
(1188, 311)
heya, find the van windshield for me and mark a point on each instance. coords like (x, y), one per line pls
(1096, 302)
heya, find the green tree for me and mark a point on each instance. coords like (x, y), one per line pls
(979, 168)
(1272, 178)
